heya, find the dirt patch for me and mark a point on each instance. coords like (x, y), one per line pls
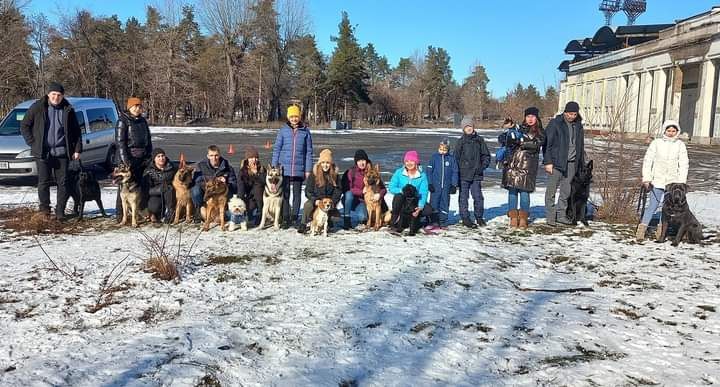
(230, 259)
(29, 221)
(584, 355)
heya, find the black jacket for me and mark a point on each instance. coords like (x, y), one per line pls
(33, 128)
(520, 170)
(157, 180)
(557, 140)
(251, 187)
(313, 192)
(204, 172)
(472, 156)
(132, 138)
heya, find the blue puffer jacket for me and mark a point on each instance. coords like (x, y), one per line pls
(443, 171)
(400, 179)
(293, 150)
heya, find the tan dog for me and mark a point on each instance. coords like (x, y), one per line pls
(183, 198)
(374, 207)
(216, 199)
(129, 194)
(320, 217)
(272, 197)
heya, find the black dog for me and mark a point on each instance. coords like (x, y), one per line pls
(84, 187)
(675, 211)
(579, 194)
(403, 207)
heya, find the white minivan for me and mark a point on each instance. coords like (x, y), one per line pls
(97, 118)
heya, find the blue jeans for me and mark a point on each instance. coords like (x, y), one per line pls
(198, 196)
(656, 199)
(474, 188)
(513, 199)
(350, 203)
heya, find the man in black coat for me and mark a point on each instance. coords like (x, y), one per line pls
(473, 158)
(51, 129)
(134, 146)
(564, 151)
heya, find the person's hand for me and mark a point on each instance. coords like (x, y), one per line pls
(453, 190)
(307, 174)
(549, 169)
(222, 178)
(376, 197)
(416, 212)
(646, 184)
(76, 156)
(431, 188)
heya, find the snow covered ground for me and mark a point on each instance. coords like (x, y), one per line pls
(279, 308)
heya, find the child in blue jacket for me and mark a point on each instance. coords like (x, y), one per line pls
(443, 177)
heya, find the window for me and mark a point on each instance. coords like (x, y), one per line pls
(101, 119)
(81, 121)
(11, 125)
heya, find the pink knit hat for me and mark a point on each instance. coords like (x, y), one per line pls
(412, 156)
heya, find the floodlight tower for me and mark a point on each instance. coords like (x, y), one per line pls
(609, 8)
(633, 9)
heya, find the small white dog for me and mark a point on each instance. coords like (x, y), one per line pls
(238, 214)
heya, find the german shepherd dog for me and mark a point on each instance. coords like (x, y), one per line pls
(374, 207)
(579, 194)
(410, 198)
(183, 198)
(272, 197)
(320, 217)
(129, 193)
(216, 191)
(675, 211)
(84, 187)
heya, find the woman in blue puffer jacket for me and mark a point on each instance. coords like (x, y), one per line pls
(293, 151)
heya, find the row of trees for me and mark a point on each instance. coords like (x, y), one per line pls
(239, 60)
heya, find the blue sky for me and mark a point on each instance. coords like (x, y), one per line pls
(516, 40)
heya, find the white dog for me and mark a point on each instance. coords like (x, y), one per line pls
(238, 214)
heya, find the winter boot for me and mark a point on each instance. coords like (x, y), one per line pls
(302, 228)
(523, 219)
(513, 215)
(347, 224)
(468, 223)
(640, 232)
(658, 232)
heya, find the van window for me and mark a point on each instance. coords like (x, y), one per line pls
(81, 121)
(101, 119)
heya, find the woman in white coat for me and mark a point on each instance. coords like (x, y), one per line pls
(665, 162)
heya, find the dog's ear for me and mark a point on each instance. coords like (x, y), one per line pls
(269, 166)
(377, 168)
(684, 187)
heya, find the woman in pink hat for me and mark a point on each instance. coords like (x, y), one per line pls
(409, 174)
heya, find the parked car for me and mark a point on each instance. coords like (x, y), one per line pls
(97, 118)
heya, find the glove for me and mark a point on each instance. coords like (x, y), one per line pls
(453, 190)
(431, 188)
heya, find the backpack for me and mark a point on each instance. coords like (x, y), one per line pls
(504, 151)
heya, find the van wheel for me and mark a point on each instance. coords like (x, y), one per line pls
(110, 160)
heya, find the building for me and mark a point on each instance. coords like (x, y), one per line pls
(633, 78)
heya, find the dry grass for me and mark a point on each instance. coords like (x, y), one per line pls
(29, 221)
(164, 257)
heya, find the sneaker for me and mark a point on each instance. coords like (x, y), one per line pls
(468, 223)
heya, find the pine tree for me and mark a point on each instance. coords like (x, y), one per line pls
(346, 71)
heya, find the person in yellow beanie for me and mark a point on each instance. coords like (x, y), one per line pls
(324, 182)
(134, 146)
(293, 151)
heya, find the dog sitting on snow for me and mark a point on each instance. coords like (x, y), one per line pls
(238, 214)
(320, 217)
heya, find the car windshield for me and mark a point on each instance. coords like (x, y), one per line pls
(10, 126)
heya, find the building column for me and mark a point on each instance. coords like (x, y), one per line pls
(643, 120)
(631, 104)
(675, 94)
(657, 117)
(705, 104)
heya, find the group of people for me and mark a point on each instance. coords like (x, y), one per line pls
(51, 130)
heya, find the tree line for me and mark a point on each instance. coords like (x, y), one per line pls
(225, 61)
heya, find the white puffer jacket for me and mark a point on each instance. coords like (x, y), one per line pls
(666, 160)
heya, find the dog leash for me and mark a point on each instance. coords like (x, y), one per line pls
(642, 201)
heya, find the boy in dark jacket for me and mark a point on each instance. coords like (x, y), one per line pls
(443, 176)
(473, 158)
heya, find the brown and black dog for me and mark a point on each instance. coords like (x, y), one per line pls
(129, 193)
(216, 191)
(373, 186)
(675, 211)
(321, 217)
(183, 198)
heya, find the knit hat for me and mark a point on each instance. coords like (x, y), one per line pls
(293, 110)
(532, 111)
(572, 107)
(466, 122)
(412, 156)
(361, 155)
(132, 101)
(158, 151)
(670, 123)
(325, 155)
(445, 141)
(54, 86)
(251, 151)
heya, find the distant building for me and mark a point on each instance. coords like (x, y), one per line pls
(632, 78)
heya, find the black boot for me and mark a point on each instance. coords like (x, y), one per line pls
(347, 223)
(481, 222)
(302, 228)
(468, 223)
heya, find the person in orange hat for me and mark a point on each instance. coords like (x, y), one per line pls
(323, 182)
(133, 145)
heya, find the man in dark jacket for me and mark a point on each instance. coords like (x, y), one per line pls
(214, 166)
(134, 145)
(51, 129)
(473, 158)
(564, 150)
